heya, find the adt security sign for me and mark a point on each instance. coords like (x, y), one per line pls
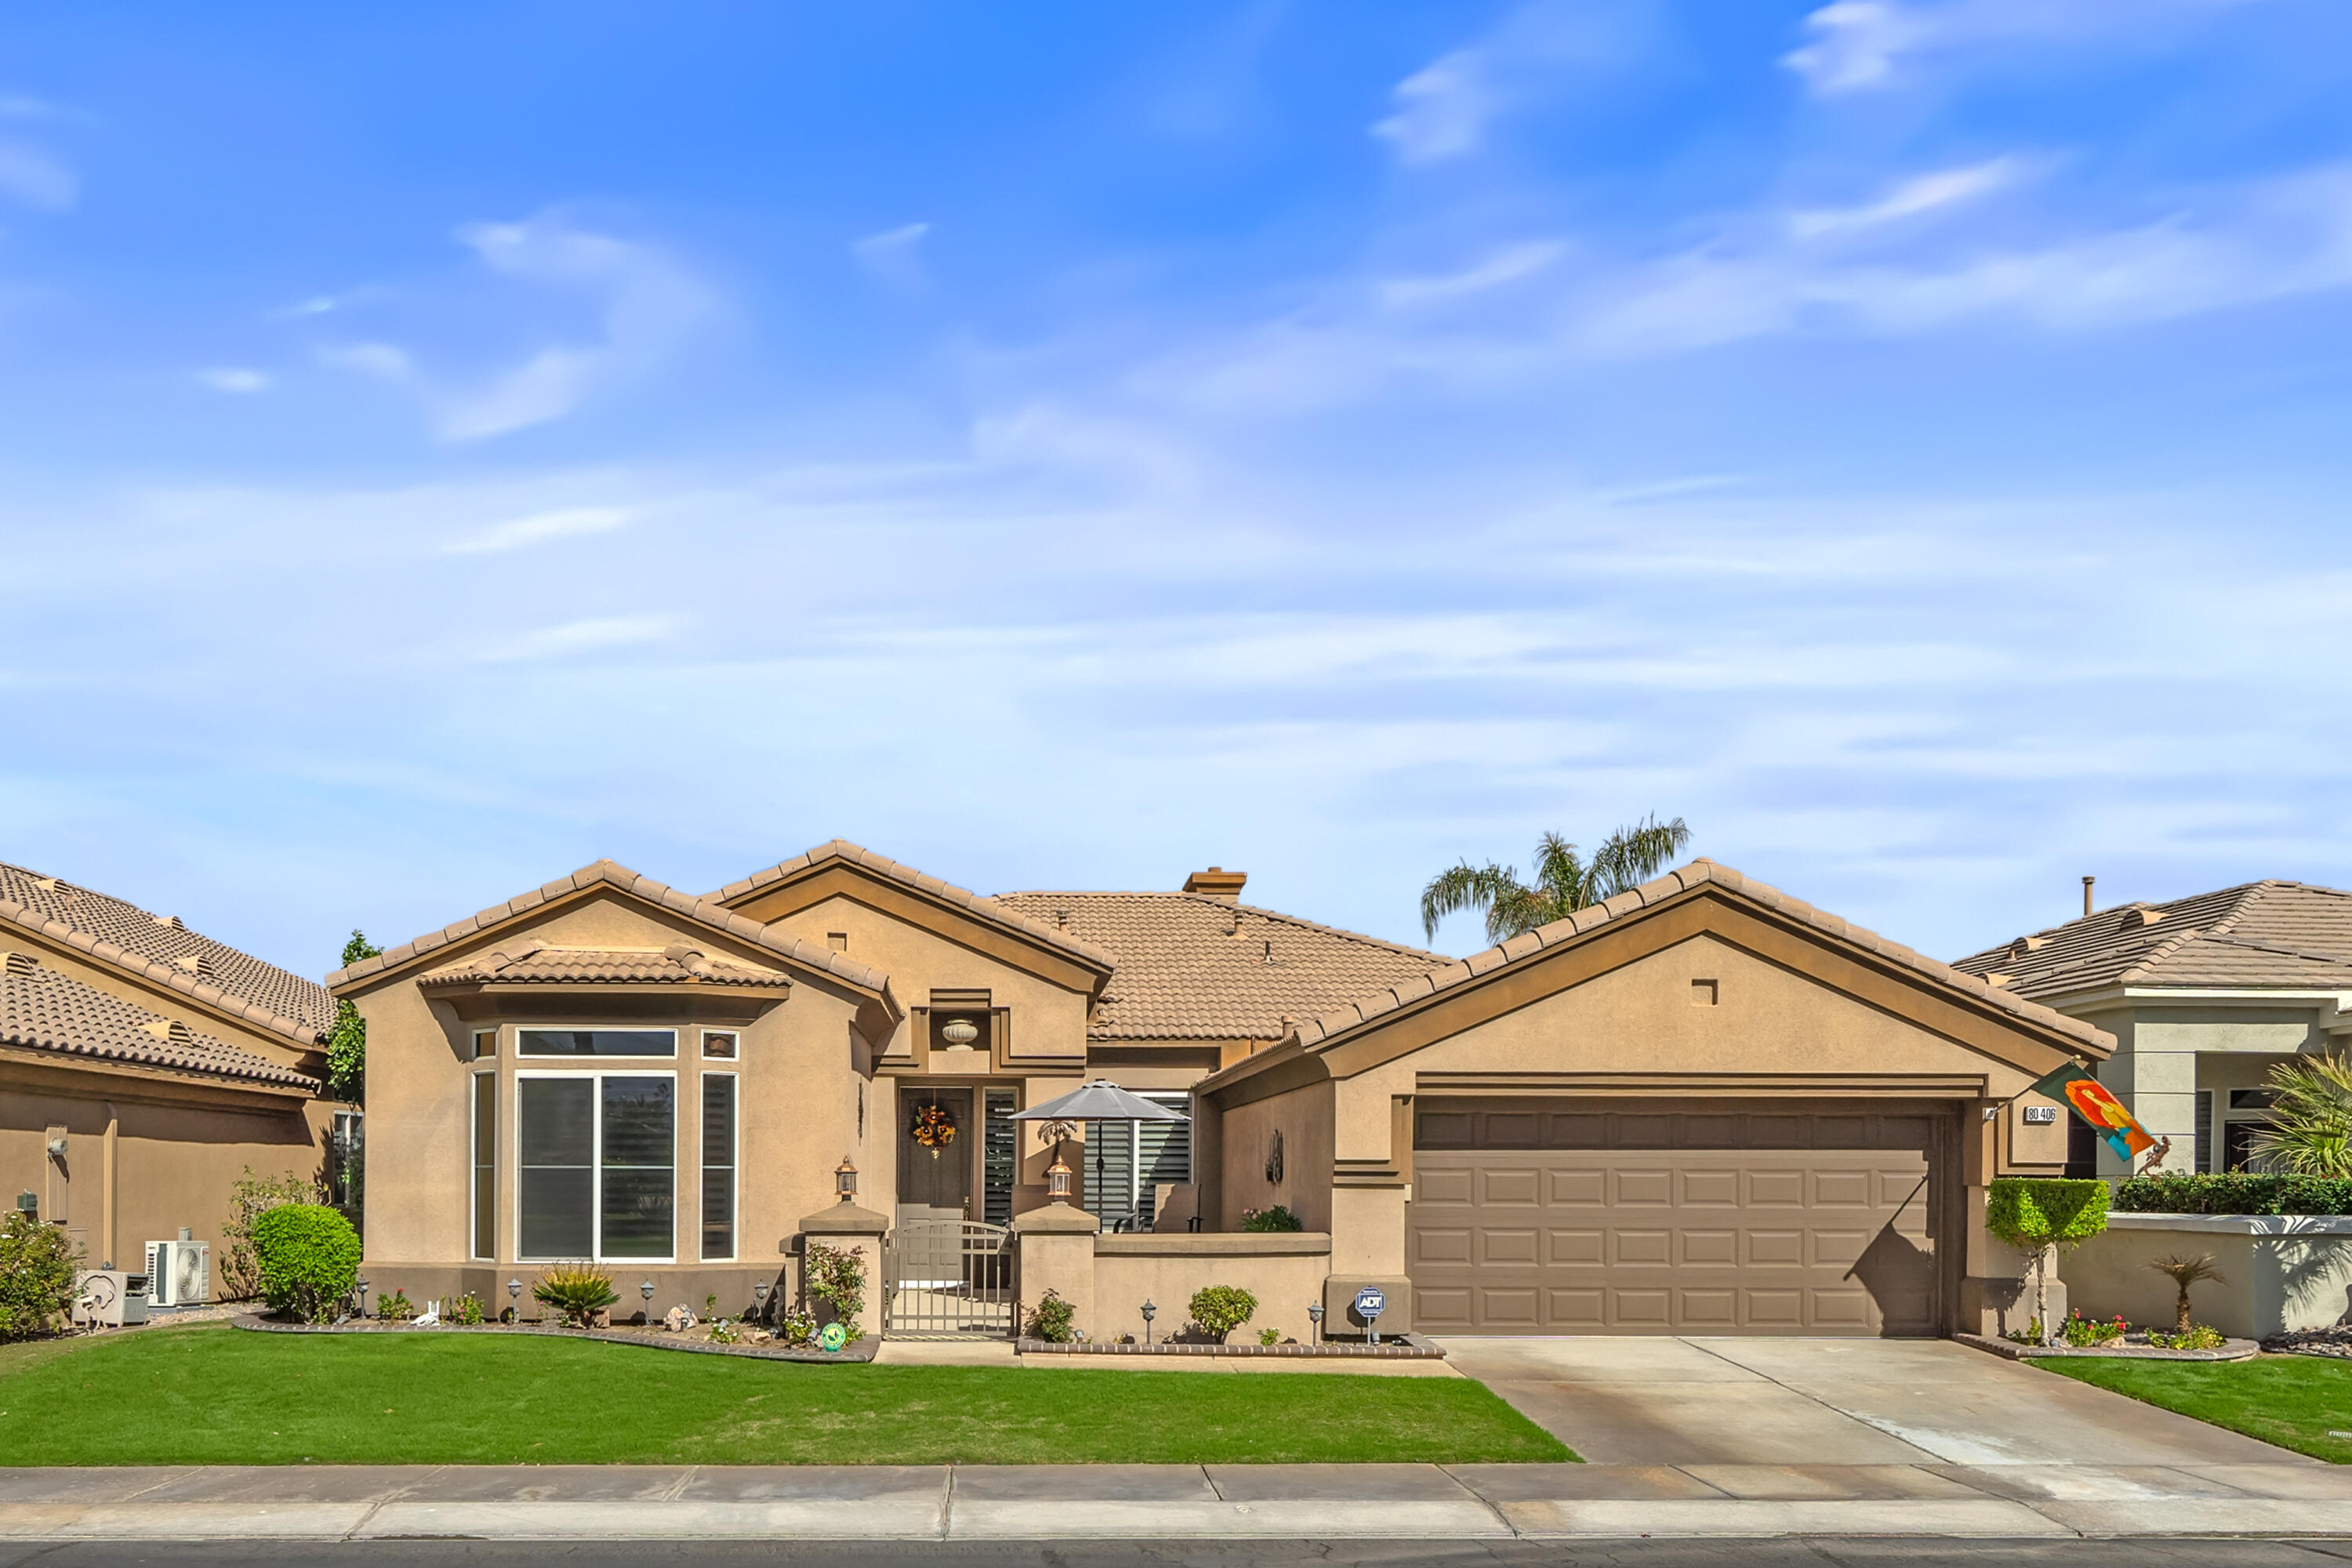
(1369, 1304)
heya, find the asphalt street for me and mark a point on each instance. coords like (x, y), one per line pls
(1784, 1552)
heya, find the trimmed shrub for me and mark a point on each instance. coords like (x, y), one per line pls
(1050, 1320)
(2032, 1213)
(2233, 1191)
(1278, 1217)
(36, 1276)
(577, 1291)
(248, 1200)
(308, 1259)
(1218, 1310)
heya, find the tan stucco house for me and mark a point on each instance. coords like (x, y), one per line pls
(1703, 1106)
(144, 1067)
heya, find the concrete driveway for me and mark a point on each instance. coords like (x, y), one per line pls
(1783, 1402)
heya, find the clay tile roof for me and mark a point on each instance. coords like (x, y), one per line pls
(2259, 935)
(44, 1010)
(996, 911)
(1313, 1031)
(1193, 967)
(536, 964)
(707, 912)
(163, 950)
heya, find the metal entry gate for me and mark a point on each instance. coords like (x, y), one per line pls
(948, 1276)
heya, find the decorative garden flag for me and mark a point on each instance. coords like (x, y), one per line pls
(2096, 1104)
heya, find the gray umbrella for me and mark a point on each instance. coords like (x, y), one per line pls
(1101, 1101)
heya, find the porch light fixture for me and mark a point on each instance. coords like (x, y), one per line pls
(1058, 1180)
(960, 1033)
(1315, 1315)
(844, 1179)
(1149, 1312)
(362, 1283)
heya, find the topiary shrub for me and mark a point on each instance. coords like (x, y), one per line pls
(309, 1259)
(1219, 1310)
(36, 1276)
(577, 1291)
(2041, 1214)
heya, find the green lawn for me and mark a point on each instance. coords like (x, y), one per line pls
(2292, 1401)
(216, 1395)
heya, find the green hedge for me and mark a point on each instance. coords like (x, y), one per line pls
(2233, 1191)
(2031, 1212)
(310, 1258)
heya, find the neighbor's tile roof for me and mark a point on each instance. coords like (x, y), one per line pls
(707, 912)
(1673, 884)
(536, 964)
(46, 1010)
(1191, 967)
(996, 910)
(165, 951)
(2260, 935)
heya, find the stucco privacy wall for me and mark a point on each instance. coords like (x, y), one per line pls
(176, 1151)
(2279, 1272)
(1247, 1149)
(799, 1076)
(1284, 1271)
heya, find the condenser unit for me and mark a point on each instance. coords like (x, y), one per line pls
(179, 1273)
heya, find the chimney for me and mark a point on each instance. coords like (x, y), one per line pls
(2086, 894)
(1217, 883)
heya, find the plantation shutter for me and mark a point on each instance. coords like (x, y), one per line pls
(1164, 1150)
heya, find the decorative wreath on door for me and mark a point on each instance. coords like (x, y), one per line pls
(934, 1128)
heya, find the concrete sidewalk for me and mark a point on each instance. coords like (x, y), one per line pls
(1120, 1501)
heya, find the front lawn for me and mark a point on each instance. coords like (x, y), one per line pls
(219, 1396)
(2290, 1400)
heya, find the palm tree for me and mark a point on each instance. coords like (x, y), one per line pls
(1563, 882)
(2310, 1131)
(2184, 1272)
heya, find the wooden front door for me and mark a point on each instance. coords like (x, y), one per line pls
(938, 1180)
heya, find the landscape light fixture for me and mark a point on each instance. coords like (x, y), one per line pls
(1149, 1312)
(647, 1290)
(514, 1295)
(1315, 1315)
(362, 1283)
(759, 1297)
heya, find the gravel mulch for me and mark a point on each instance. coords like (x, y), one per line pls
(2336, 1342)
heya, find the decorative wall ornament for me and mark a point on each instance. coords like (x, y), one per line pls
(934, 1128)
(1274, 1160)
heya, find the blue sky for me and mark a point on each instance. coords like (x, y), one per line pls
(1068, 445)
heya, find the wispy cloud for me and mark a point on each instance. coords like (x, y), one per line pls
(1508, 265)
(34, 177)
(540, 528)
(1855, 46)
(1445, 109)
(594, 635)
(234, 379)
(1441, 109)
(894, 255)
(646, 304)
(1915, 197)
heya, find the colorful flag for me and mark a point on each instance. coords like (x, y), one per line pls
(2096, 1104)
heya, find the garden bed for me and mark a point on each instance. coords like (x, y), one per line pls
(697, 1340)
(1402, 1347)
(2335, 1344)
(2133, 1346)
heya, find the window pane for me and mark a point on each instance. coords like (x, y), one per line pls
(639, 1208)
(558, 1180)
(486, 1185)
(719, 1167)
(596, 1042)
(718, 1044)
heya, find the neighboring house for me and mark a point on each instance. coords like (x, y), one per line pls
(142, 1067)
(1701, 1106)
(2204, 996)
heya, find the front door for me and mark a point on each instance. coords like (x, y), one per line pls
(936, 1181)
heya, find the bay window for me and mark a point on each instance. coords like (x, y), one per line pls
(596, 1158)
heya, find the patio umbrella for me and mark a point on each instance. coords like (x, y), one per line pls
(1101, 1101)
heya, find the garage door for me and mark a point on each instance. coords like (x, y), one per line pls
(1532, 1217)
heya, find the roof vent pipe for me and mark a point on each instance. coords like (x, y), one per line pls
(2086, 894)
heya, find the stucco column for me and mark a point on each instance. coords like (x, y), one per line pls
(846, 1224)
(1057, 1254)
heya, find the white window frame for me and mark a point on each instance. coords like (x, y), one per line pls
(734, 1168)
(596, 1157)
(521, 1054)
(735, 1035)
(474, 1165)
(480, 1055)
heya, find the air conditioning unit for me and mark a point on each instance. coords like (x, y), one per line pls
(179, 1273)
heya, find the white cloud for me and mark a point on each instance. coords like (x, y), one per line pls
(35, 178)
(1925, 194)
(1857, 46)
(890, 242)
(516, 533)
(1508, 265)
(234, 378)
(594, 635)
(1445, 109)
(1441, 109)
(385, 362)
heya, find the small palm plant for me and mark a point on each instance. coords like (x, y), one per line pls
(2184, 1272)
(1564, 882)
(578, 1290)
(2310, 1131)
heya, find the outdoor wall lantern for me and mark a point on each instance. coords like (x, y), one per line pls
(362, 1283)
(1058, 1180)
(1149, 1312)
(1315, 1315)
(844, 1179)
(960, 1033)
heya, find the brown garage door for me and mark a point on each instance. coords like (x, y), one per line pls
(1533, 1217)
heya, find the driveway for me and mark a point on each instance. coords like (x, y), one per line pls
(1781, 1402)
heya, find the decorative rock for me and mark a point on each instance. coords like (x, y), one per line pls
(679, 1319)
